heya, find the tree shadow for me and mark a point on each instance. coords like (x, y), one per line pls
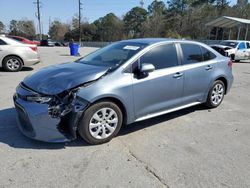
(10, 134)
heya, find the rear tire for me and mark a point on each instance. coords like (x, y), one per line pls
(100, 122)
(216, 94)
(12, 64)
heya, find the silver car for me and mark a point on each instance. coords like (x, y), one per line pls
(125, 82)
(14, 55)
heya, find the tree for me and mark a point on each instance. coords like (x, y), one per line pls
(157, 7)
(221, 5)
(2, 27)
(154, 26)
(58, 30)
(133, 21)
(109, 28)
(24, 28)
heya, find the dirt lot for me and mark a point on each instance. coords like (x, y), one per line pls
(194, 147)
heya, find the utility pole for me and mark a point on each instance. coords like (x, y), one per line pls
(141, 3)
(39, 18)
(79, 19)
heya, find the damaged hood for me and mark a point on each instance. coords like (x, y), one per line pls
(58, 78)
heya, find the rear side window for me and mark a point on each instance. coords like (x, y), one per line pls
(18, 39)
(207, 55)
(2, 42)
(248, 45)
(191, 53)
(161, 57)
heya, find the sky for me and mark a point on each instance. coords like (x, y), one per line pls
(64, 10)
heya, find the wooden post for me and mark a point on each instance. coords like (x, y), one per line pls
(246, 33)
(238, 37)
(229, 36)
(216, 37)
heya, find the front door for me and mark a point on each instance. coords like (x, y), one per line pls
(161, 89)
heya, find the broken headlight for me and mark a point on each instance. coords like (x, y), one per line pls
(39, 99)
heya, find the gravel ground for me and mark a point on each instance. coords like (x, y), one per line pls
(192, 148)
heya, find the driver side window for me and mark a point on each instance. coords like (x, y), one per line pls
(163, 56)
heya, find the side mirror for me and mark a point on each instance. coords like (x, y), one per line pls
(147, 68)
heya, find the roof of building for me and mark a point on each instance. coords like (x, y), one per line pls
(227, 22)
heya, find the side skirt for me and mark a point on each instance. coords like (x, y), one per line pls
(166, 111)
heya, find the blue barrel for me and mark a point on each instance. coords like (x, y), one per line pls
(74, 47)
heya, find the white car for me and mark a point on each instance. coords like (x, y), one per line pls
(236, 49)
(14, 55)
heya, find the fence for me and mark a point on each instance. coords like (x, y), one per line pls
(102, 44)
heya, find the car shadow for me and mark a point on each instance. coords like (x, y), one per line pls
(11, 136)
(24, 69)
(159, 119)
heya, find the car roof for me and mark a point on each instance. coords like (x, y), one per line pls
(150, 41)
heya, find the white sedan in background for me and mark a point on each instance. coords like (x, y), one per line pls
(14, 55)
(236, 49)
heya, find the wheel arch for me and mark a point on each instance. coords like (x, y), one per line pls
(118, 102)
(224, 80)
(9, 55)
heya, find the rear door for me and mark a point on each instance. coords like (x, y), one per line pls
(198, 67)
(161, 89)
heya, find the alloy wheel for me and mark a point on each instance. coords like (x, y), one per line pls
(217, 94)
(13, 64)
(103, 123)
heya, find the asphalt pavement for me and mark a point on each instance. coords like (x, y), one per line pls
(195, 147)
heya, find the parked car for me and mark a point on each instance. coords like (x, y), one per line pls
(125, 82)
(14, 55)
(47, 42)
(24, 40)
(237, 50)
(220, 49)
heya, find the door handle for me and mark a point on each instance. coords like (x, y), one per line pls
(209, 67)
(178, 75)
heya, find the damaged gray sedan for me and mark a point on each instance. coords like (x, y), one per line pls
(125, 82)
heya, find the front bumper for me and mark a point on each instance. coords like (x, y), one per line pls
(35, 122)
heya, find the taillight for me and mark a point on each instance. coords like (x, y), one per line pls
(34, 48)
(230, 63)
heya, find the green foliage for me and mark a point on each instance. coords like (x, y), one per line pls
(133, 21)
(109, 28)
(173, 19)
(24, 28)
(58, 30)
(2, 27)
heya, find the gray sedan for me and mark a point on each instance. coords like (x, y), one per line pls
(14, 55)
(125, 82)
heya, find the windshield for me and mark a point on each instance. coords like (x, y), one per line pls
(113, 55)
(229, 43)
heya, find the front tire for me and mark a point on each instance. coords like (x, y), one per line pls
(12, 64)
(216, 94)
(100, 122)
